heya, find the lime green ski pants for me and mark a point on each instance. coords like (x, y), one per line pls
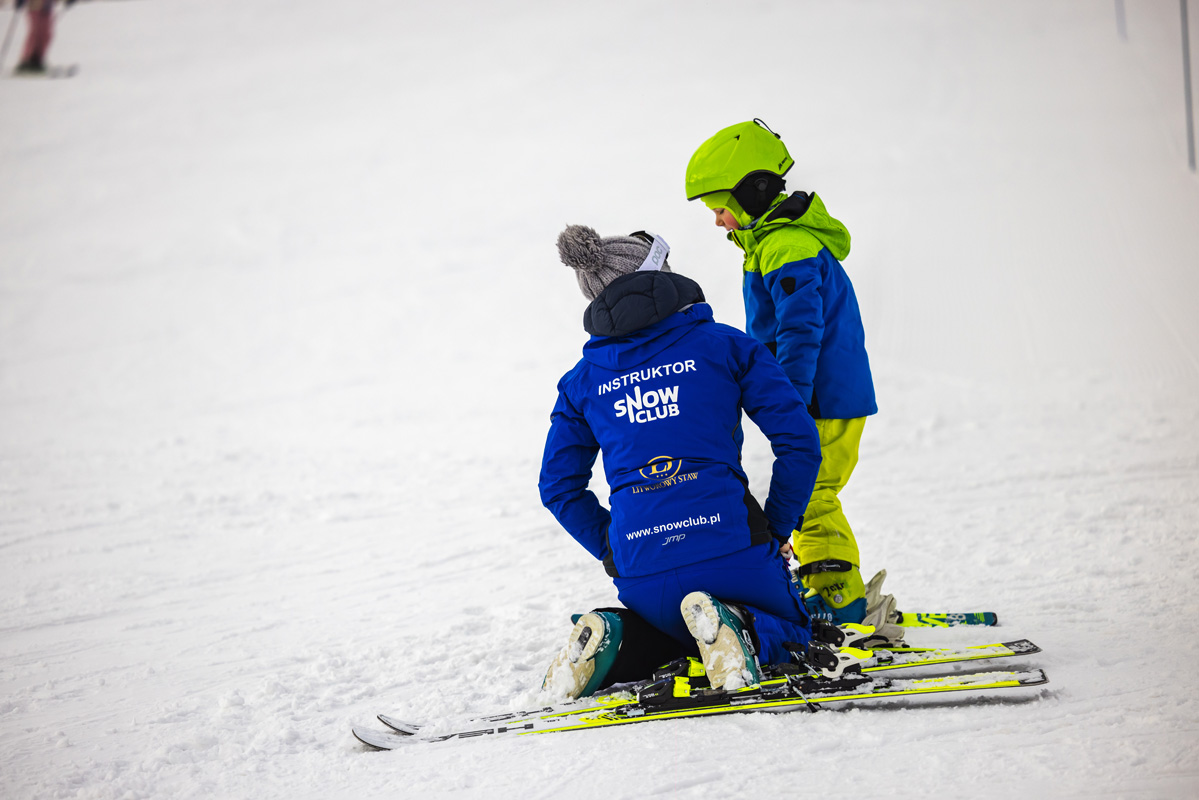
(826, 533)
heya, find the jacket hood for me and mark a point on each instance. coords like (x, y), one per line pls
(803, 210)
(636, 317)
(637, 300)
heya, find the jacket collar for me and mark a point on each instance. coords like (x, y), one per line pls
(802, 210)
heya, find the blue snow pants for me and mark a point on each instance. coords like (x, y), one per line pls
(756, 578)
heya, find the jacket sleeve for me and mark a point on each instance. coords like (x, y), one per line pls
(799, 310)
(566, 464)
(777, 409)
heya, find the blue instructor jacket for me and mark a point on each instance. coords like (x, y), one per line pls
(660, 390)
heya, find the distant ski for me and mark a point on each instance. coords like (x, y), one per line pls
(65, 71)
(673, 698)
(944, 620)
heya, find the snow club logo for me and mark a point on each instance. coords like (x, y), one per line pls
(653, 405)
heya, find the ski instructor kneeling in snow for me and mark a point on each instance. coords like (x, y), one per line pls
(699, 566)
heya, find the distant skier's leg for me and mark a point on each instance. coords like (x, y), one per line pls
(37, 41)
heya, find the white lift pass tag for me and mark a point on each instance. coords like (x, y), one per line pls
(657, 255)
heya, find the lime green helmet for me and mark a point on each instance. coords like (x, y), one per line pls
(747, 160)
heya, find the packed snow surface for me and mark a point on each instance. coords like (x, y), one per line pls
(281, 320)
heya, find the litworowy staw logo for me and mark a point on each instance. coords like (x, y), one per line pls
(661, 468)
(664, 471)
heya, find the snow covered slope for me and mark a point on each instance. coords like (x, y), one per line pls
(281, 320)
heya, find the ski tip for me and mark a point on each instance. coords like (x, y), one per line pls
(1022, 647)
(365, 737)
(1034, 677)
(399, 725)
(378, 739)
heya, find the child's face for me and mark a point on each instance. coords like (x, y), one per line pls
(725, 219)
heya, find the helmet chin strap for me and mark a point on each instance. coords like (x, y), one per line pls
(658, 250)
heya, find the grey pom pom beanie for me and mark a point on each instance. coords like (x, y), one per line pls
(599, 261)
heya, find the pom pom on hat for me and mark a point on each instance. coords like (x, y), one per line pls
(598, 261)
(581, 248)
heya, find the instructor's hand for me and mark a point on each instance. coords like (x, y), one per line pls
(785, 550)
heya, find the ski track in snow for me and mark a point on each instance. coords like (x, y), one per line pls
(281, 321)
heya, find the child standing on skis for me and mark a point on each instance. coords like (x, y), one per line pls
(695, 560)
(801, 305)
